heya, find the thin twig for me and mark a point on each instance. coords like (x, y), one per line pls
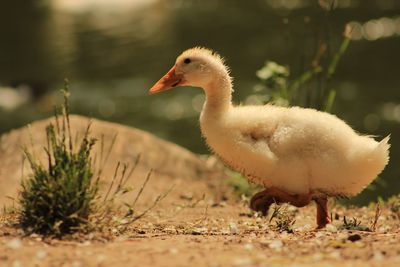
(378, 213)
(112, 182)
(107, 155)
(142, 188)
(158, 200)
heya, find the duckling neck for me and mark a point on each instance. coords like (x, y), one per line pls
(218, 96)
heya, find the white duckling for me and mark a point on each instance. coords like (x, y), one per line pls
(297, 154)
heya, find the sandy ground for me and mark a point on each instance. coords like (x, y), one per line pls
(199, 223)
(183, 231)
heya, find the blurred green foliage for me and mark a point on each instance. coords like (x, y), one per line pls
(285, 90)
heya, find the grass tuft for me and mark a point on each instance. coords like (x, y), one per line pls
(354, 224)
(284, 220)
(63, 197)
(60, 198)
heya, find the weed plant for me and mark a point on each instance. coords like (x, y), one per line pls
(63, 196)
(59, 199)
(284, 220)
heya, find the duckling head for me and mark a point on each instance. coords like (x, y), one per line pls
(197, 67)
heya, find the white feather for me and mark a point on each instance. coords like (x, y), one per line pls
(294, 149)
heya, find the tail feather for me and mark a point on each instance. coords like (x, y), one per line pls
(383, 149)
(371, 165)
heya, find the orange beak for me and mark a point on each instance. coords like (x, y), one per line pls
(168, 81)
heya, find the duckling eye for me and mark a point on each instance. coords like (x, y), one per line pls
(187, 60)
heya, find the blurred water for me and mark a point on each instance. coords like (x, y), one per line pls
(112, 54)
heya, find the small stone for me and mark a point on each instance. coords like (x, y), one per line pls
(14, 244)
(199, 231)
(291, 208)
(276, 244)
(261, 257)
(186, 196)
(248, 247)
(173, 251)
(86, 243)
(318, 256)
(123, 221)
(331, 228)
(101, 258)
(76, 264)
(354, 238)
(91, 236)
(170, 230)
(378, 256)
(16, 263)
(342, 236)
(320, 234)
(304, 228)
(334, 255)
(225, 231)
(243, 262)
(233, 228)
(41, 254)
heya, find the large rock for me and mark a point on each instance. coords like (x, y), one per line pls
(165, 158)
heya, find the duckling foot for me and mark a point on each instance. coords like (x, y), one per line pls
(263, 200)
(322, 212)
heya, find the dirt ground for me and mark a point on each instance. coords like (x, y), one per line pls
(187, 230)
(200, 223)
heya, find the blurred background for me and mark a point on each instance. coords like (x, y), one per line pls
(113, 51)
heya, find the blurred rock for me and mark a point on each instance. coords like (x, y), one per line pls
(168, 160)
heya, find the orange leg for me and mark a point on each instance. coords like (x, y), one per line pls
(262, 200)
(322, 212)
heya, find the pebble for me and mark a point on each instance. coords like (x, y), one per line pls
(334, 255)
(199, 231)
(292, 209)
(14, 244)
(320, 234)
(248, 247)
(101, 258)
(173, 250)
(318, 256)
(304, 228)
(342, 236)
(331, 228)
(86, 243)
(225, 231)
(276, 244)
(233, 228)
(378, 256)
(243, 262)
(354, 238)
(170, 230)
(41, 254)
